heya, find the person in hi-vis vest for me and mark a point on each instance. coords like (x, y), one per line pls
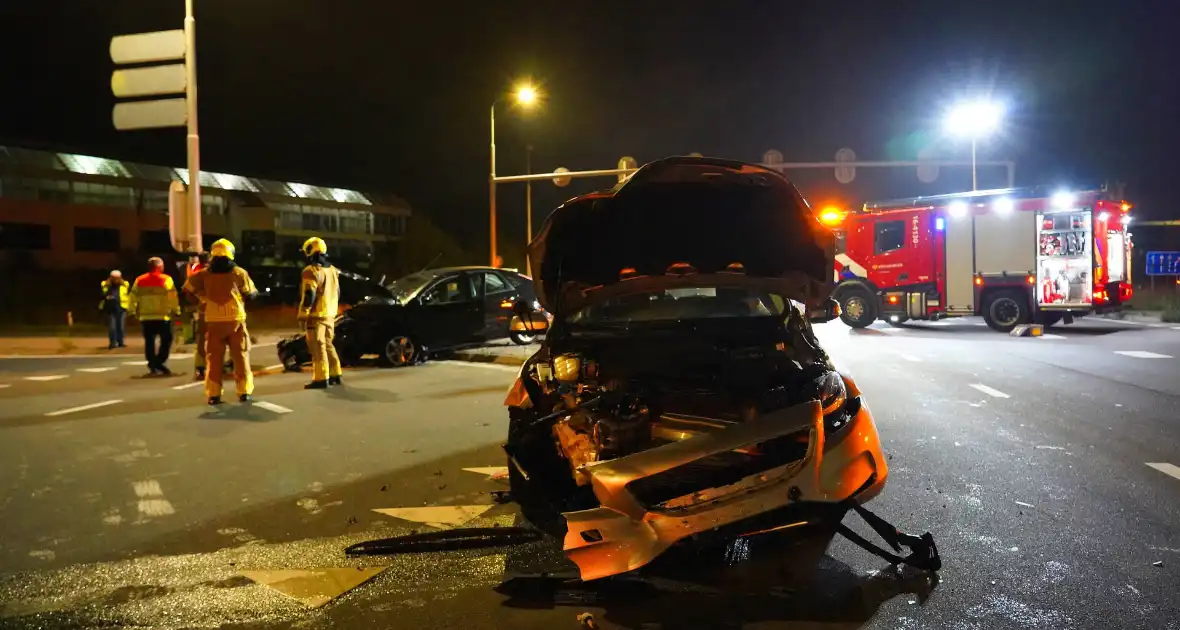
(319, 300)
(223, 288)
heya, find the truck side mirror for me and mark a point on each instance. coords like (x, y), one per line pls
(827, 312)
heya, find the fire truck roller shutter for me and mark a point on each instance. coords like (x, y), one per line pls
(960, 260)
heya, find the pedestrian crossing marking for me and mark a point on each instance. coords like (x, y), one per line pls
(442, 516)
(316, 587)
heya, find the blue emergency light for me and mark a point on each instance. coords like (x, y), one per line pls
(939, 223)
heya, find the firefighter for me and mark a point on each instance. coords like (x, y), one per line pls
(115, 300)
(222, 287)
(318, 303)
(196, 264)
(154, 302)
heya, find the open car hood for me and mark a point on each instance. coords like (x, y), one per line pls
(683, 221)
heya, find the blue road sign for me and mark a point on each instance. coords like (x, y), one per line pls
(1163, 264)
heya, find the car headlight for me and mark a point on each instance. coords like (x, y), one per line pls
(833, 399)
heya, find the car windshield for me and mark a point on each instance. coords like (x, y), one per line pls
(406, 287)
(668, 305)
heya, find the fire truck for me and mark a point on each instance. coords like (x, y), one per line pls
(1014, 256)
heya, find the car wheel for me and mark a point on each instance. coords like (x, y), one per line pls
(858, 308)
(1005, 310)
(521, 338)
(400, 351)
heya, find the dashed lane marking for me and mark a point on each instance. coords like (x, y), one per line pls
(269, 406)
(316, 587)
(888, 330)
(1167, 469)
(1049, 336)
(488, 366)
(188, 385)
(62, 412)
(97, 369)
(135, 363)
(1142, 354)
(910, 357)
(271, 368)
(41, 379)
(5, 385)
(989, 391)
(441, 516)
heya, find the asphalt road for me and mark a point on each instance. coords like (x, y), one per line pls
(1046, 468)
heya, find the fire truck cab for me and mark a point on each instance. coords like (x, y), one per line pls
(1014, 256)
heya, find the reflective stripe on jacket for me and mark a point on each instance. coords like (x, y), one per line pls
(153, 297)
(319, 293)
(222, 294)
(106, 295)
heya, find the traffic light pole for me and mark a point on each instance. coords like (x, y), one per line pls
(193, 138)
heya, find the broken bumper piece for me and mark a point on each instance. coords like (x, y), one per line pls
(653, 499)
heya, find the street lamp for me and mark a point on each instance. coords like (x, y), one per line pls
(526, 96)
(976, 120)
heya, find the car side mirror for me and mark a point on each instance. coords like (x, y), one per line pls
(827, 312)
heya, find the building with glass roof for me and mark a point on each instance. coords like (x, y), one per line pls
(78, 211)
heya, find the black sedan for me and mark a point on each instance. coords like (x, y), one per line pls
(434, 310)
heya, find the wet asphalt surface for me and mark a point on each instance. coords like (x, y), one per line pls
(1028, 459)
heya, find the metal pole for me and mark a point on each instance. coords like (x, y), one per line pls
(528, 207)
(974, 186)
(193, 139)
(492, 190)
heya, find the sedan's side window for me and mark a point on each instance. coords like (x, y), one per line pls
(447, 291)
(493, 283)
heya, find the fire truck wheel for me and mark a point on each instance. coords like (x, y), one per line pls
(858, 308)
(1005, 310)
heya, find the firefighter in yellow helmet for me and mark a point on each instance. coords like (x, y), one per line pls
(223, 288)
(319, 300)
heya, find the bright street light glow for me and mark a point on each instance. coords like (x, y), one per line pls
(957, 209)
(975, 119)
(526, 95)
(1004, 205)
(1062, 199)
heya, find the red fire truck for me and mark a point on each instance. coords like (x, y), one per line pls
(1014, 256)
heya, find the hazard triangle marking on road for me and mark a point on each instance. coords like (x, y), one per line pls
(316, 587)
(442, 516)
(493, 472)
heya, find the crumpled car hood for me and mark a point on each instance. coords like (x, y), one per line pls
(736, 224)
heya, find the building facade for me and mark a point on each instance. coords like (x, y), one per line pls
(69, 211)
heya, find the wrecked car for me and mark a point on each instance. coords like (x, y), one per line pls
(681, 391)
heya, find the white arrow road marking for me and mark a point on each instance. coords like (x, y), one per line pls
(442, 516)
(989, 391)
(1167, 469)
(1142, 354)
(269, 406)
(493, 472)
(62, 412)
(316, 587)
(97, 370)
(41, 379)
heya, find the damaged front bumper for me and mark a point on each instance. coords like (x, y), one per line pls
(639, 518)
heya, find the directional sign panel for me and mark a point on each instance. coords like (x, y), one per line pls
(171, 112)
(1163, 264)
(147, 47)
(151, 81)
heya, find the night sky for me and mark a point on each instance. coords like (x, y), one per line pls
(393, 96)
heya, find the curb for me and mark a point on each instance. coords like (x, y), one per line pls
(483, 357)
